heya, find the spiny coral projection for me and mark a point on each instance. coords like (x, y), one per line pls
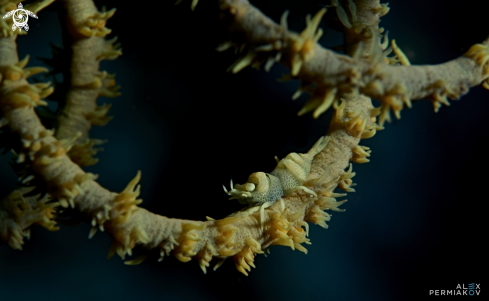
(18, 213)
(282, 203)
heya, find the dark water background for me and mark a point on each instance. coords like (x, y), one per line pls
(414, 224)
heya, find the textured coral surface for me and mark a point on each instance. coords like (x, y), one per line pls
(410, 215)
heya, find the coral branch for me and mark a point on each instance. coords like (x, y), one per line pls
(393, 85)
(79, 110)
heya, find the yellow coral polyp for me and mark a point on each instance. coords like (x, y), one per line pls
(304, 44)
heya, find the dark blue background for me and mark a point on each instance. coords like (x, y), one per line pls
(414, 224)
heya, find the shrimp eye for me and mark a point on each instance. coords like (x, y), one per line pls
(250, 187)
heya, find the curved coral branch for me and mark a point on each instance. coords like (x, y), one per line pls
(79, 110)
(238, 236)
(129, 225)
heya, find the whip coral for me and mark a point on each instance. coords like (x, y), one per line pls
(50, 150)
